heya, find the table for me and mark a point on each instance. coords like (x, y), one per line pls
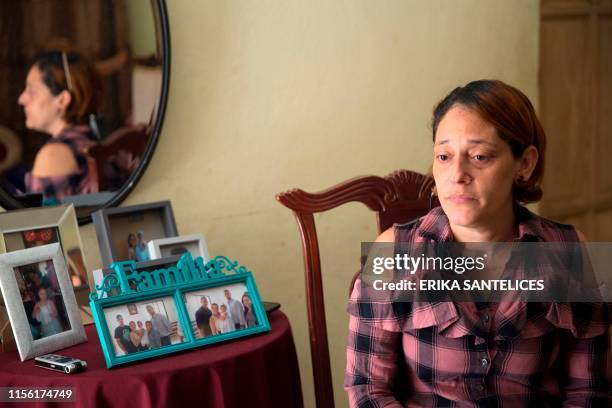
(257, 371)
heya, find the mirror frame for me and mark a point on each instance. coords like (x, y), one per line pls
(8, 202)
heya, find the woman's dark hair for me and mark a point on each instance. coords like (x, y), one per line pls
(513, 117)
(242, 299)
(69, 71)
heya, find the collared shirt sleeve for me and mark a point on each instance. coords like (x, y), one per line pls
(371, 365)
(584, 360)
(371, 358)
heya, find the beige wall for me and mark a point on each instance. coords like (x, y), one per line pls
(271, 95)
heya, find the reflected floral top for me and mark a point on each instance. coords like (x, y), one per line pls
(505, 354)
(82, 182)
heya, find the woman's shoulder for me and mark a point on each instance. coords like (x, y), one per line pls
(430, 225)
(54, 159)
(548, 230)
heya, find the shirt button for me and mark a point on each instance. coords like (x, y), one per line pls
(486, 318)
(484, 362)
(479, 387)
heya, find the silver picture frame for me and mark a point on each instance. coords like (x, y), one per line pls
(27, 346)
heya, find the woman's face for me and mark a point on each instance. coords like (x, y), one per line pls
(473, 168)
(42, 294)
(131, 240)
(246, 301)
(42, 109)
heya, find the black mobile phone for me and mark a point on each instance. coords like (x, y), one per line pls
(270, 307)
(59, 363)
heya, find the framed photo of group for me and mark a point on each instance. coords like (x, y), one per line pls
(197, 305)
(40, 301)
(35, 227)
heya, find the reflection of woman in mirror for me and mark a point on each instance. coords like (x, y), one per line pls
(46, 313)
(61, 93)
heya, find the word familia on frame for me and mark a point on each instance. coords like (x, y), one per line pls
(144, 314)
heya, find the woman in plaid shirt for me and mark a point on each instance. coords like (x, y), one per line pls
(488, 159)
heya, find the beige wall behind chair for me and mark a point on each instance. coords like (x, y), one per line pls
(270, 95)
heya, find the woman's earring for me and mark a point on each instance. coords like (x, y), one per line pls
(519, 180)
(434, 193)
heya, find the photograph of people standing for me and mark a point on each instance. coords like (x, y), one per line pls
(122, 337)
(202, 317)
(236, 311)
(161, 324)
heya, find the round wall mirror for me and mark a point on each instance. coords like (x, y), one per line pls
(84, 93)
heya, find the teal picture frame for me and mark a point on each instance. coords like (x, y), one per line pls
(172, 283)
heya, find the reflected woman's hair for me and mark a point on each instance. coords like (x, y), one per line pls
(70, 71)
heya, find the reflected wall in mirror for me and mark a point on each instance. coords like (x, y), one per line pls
(84, 92)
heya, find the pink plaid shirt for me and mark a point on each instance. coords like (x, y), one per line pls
(506, 354)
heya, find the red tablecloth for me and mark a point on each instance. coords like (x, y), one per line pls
(258, 371)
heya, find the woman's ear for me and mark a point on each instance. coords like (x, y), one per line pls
(527, 163)
(63, 99)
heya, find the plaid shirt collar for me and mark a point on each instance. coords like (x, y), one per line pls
(435, 226)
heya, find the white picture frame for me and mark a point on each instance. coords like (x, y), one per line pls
(11, 269)
(194, 243)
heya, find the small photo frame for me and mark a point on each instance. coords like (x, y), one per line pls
(40, 300)
(165, 247)
(123, 233)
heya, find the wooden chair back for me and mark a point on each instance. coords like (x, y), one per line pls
(118, 155)
(399, 197)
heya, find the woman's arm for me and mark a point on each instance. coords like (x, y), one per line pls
(371, 365)
(36, 310)
(585, 382)
(584, 366)
(53, 309)
(371, 357)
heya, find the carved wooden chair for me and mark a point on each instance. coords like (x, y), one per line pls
(399, 197)
(118, 155)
